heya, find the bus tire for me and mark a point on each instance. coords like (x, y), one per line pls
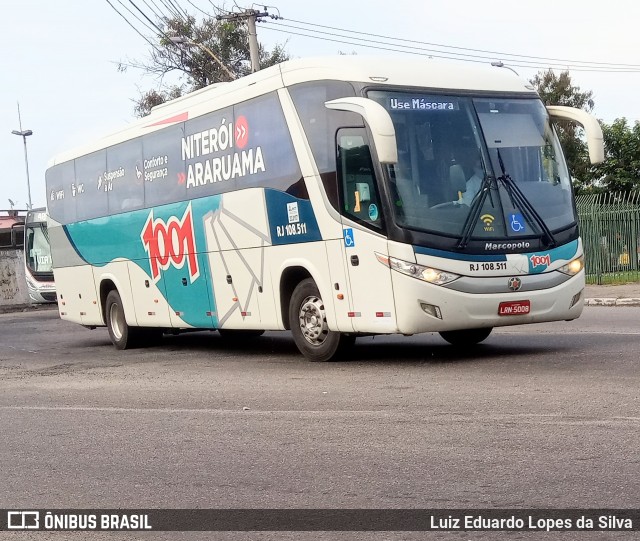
(308, 323)
(466, 337)
(122, 335)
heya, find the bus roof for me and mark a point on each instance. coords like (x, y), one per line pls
(374, 70)
(37, 215)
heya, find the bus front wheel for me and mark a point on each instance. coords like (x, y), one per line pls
(122, 335)
(308, 323)
(466, 337)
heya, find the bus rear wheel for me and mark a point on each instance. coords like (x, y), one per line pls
(466, 337)
(122, 335)
(308, 323)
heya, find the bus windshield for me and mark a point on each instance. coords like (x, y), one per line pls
(452, 148)
(38, 249)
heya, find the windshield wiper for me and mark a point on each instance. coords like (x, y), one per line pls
(520, 201)
(475, 210)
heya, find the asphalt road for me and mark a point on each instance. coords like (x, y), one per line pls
(544, 416)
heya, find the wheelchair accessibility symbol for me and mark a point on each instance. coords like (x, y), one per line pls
(349, 241)
(517, 222)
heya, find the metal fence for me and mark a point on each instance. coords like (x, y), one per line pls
(610, 229)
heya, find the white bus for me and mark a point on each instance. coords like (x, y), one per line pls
(38, 267)
(328, 196)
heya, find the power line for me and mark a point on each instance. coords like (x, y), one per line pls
(180, 11)
(170, 8)
(157, 7)
(216, 8)
(132, 26)
(159, 14)
(373, 44)
(200, 10)
(150, 24)
(361, 45)
(558, 60)
(158, 29)
(415, 47)
(175, 12)
(137, 17)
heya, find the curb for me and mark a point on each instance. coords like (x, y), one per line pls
(20, 308)
(612, 301)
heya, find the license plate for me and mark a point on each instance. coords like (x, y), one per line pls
(514, 308)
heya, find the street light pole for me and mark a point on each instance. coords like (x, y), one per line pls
(24, 134)
(500, 64)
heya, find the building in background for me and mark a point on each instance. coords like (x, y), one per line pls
(13, 285)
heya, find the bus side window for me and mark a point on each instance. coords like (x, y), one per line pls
(359, 192)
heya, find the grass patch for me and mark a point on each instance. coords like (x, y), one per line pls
(614, 278)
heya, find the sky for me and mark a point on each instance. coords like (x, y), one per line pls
(60, 58)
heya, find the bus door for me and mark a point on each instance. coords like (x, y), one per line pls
(371, 293)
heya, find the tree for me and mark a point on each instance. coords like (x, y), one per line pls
(621, 169)
(559, 90)
(193, 59)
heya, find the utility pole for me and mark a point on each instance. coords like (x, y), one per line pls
(250, 16)
(253, 42)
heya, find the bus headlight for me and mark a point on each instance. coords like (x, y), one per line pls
(428, 274)
(573, 267)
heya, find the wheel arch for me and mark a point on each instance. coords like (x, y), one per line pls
(109, 281)
(289, 279)
(106, 285)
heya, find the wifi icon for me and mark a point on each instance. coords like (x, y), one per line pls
(488, 220)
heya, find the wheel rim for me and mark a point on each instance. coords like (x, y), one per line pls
(313, 321)
(115, 321)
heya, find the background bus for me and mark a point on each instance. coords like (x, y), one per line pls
(327, 196)
(37, 257)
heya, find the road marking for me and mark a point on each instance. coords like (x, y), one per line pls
(447, 416)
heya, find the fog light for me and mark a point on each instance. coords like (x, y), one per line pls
(575, 299)
(431, 309)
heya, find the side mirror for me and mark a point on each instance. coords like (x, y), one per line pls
(595, 142)
(17, 235)
(379, 122)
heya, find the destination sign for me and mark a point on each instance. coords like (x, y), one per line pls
(423, 103)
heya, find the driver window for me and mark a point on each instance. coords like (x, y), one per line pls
(358, 190)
